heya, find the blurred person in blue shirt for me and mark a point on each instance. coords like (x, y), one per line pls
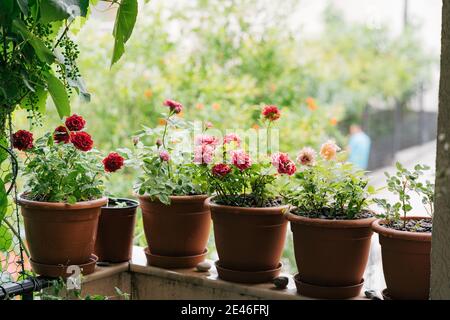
(358, 147)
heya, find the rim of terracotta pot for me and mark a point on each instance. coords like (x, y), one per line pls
(398, 234)
(134, 205)
(61, 205)
(329, 223)
(177, 199)
(246, 210)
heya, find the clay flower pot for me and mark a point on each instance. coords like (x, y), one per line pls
(249, 241)
(60, 234)
(115, 231)
(406, 261)
(179, 230)
(331, 255)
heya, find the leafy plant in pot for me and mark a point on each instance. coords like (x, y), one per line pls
(330, 223)
(62, 198)
(406, 241)
(247, 213)
(172, 192)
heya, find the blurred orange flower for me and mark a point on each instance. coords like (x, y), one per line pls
(216, 106)
(161, 121)
(199, 106)
(311, 103)
(273, 87)
(181, 114)
(333, 121)
(255, 126)
(148, 93)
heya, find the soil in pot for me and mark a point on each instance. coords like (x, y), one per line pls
(180, 229)
(115, 230)
(331, 253)
(249, 239)
(60, 233)
(406, 257)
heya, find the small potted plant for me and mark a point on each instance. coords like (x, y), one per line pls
(114, 242)
(406, 240)
(62, 198)
(247, 213)
(331, 224)
(171, 192)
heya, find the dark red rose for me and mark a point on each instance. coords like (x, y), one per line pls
(271, 113)
(113, 162)
(220, 170)
(61, 134)
(75, 122)
(81, 140)
(174, 106)
(22, 140)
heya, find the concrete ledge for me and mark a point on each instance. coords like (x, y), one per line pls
(144, 282)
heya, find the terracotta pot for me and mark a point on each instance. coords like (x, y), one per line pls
(406, 261)
(248, 239)
(331, 253)
(61, 233)
(115, 231)
(179, 229)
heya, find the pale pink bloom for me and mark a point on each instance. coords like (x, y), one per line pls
(284, 165)
(306, 156)
(208, 125)
(232, 137)
(164, 155)
(328, 150)
(241, 159)
(203, 154)
(206, 140)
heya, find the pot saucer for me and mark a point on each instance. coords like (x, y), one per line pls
(324, 292)
(247, 276)
(386, 295)
(57, 271)
(170, 262)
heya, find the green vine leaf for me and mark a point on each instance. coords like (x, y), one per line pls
(123, 27)
(6, 238)
(57, 10)
(43, 53)
(23, 5)
(59, 95)
(3, 200)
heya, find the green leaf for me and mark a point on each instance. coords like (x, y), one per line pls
(6, 238)
(57, 10)
(3, 200)
(23, 5)
(43, 53)
(3, 154)
(71, 200)
(123, 27)
(59, 95)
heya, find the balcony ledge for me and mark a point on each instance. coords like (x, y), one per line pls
(145, 282)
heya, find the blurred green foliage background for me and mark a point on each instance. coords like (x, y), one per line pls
(225, 59)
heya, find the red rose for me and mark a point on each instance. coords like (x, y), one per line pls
(22, 140)
(75, 122)
(174, 106)
(220, 170)
(271, 113)
(113, 162)
(61, 135)
(81, 140)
